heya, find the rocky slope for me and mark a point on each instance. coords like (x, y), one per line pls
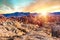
(12, 29)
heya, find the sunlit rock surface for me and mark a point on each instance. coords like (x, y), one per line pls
(11, 29)
(14, 30)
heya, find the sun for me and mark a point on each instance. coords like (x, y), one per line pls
(45, 11)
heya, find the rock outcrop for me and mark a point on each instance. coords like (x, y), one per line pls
(11, 29)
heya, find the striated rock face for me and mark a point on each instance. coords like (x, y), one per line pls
(14, 30)
(11, 29)
(8, 28)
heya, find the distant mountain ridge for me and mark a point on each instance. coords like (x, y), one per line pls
(54, 14)
(16, 14)
(19, 14)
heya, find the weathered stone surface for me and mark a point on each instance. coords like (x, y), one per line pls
(14, 30)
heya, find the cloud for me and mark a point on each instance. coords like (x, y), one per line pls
(28, 5)
(41, 5)
(14, 5)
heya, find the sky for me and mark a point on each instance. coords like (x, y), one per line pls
(39, 6)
